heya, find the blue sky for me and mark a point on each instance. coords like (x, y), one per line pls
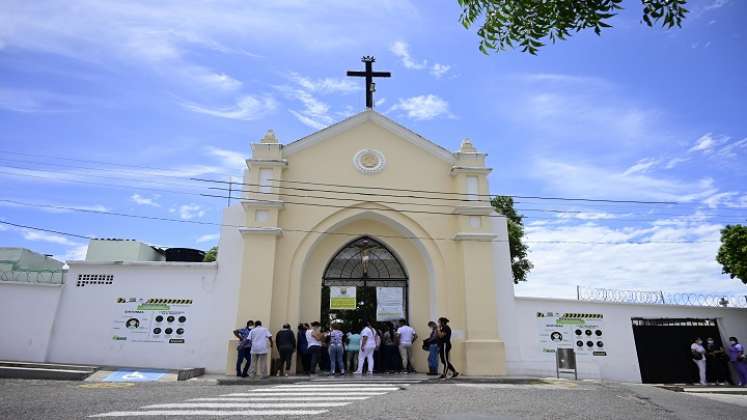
(178, 89)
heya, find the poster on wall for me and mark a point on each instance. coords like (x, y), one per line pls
(583, 332)
(143, 320)
(342, 298)
(389, 303)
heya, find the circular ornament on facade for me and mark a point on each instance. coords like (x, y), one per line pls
(369, 161)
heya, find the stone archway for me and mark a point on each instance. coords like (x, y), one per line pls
(364, 263)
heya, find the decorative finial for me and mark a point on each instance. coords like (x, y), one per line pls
(369, 74)
(269, 137)
(467, 146)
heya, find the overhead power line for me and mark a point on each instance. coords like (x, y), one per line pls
(289, 181)
(354, 234)
(601, 200)
(726, 218)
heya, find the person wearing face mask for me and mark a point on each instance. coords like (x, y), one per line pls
(737, 360)
(716, 366)
(698, 355)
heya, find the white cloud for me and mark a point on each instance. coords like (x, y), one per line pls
(423, 107)
(145, 201)
(191, 211)
(315, 113)
(326, 85)
(170, 38)
(717, 4)
(641, 167)
(231, 161)
(247, 108)
(671, 163)
(207, 238)
(402, 50)
(33, 235)
(39, 101)
(438, 70)
(716, 199)
(584, 180)
(75, 253)
(706, 143)
(732, 150)
(584, 256)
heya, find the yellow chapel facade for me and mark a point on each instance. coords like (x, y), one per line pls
(369, 177)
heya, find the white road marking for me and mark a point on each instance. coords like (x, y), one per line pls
(250, 405)
(310, 394)
(336, 385)
(211, 413)
(240, 399)
(326, 388)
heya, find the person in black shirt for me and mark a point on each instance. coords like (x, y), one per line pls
(285, 340)
(444, 344)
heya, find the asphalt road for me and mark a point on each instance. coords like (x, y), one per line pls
(387, 398)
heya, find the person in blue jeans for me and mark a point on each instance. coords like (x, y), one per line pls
(244, 349)
(336, 350)
(431, 344)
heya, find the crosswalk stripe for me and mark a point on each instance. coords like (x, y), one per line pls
(250, 405)
(336, 385)
(326, 388)
(308, 394)
(212, 413)
(240, 399)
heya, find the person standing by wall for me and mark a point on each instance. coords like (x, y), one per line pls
(444, 346)
(302, 348)
(698, 355)
(243, 349)
(314, 339)
(336, 350)
(389, 356)
(261, 345)
(285, 340)
(368, 345)
(737, 360)
(716, 366)
(430, 345)
(352, 349)
(406, 337)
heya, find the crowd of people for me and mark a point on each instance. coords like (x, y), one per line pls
(713, 361)
(360, 348)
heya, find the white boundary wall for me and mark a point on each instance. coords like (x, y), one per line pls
(526, 358)
(84, 326)
(27, 313)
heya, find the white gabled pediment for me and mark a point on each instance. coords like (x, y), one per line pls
(374, 117)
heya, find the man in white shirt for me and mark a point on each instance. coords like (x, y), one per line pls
(368, 345)
(261, 339)
(406, 336)
(698, 352)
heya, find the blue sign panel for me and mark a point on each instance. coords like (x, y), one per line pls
(128, 375)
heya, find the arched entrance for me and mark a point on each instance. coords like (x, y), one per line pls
(363, 263)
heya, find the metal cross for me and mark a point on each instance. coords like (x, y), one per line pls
(369, 74)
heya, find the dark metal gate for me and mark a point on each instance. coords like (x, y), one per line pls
(366, 264)
(663, 347)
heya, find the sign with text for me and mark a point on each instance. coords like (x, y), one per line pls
(143, 320)
(342, 298)
(389, 303)
(583, 332)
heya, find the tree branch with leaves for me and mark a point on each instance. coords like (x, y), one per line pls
(732, 255)
(520, 264)
(528, 24)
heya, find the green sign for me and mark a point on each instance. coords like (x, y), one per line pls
(342, 298)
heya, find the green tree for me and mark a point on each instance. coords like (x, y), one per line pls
(527, 23)
(211, 255)
(732, 255)
(520, 264)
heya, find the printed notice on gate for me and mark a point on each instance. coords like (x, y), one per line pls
(342, 298)
(389, 303)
